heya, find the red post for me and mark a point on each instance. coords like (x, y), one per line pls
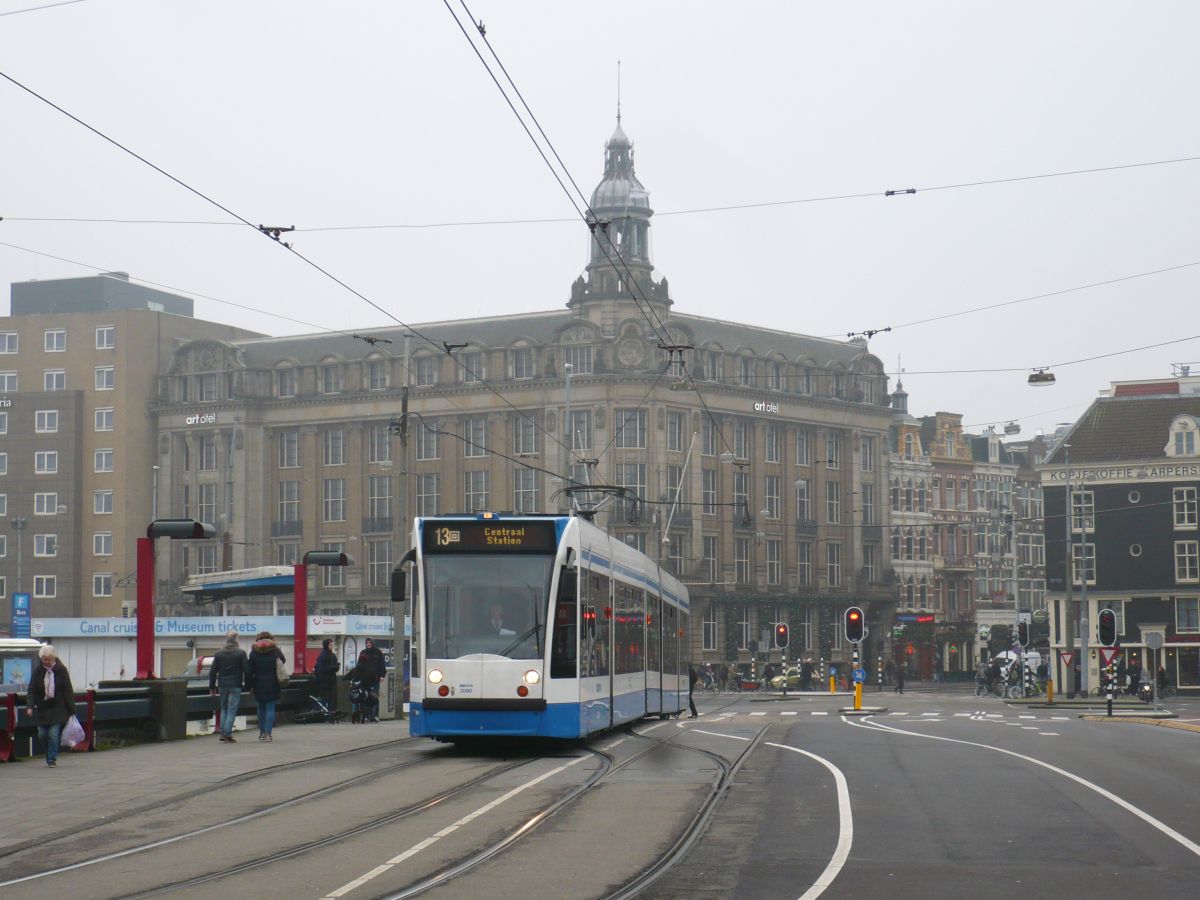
(300, 619)
(145, 609)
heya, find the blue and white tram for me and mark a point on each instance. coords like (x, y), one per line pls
(540, 626)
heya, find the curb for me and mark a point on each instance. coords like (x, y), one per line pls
(1140, 720)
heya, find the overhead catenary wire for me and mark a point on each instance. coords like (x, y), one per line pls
(29, 9)
(589, 218)
(267, 232)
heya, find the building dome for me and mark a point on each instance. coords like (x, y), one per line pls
(619, 188)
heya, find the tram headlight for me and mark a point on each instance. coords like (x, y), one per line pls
(435, 676)
(533, 676)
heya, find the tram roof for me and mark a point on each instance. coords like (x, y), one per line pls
(257, 581)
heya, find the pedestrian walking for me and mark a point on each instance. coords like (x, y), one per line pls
(264, 682)
(226, 676)
(899, 680)
(50, 700)
(691, 684)
(1135, 675)
(325, 671)
(806, 674)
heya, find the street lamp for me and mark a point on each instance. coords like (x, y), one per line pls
(18, 524)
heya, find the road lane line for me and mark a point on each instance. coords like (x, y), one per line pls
(1026, 717)
(788, 713)
(1049, 734)
(758, 713)
(1166, 829)
(433, 839)
(719, 734)
(1029, 728)
(652, 727)
(819, 713)
(1061, 718)
(963, 715)
(845, 824)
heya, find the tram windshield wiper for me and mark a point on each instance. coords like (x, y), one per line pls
(519, 641)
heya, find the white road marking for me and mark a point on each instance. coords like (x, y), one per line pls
(1049, 734)
(1170, 832)
(845, 824)
(931, 714)
(958, 715)
(788, 713)
(758, 713)
(816, 713)
(1026, 717)
(1029, 728)
(1061, 718)
(720, 734)
(429, 841)
(899, 714)
(652, 727)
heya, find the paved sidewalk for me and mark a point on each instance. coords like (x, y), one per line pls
(88, 787)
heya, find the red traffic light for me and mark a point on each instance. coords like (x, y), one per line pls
(854, 625)
(781, 635)
(1106, 628)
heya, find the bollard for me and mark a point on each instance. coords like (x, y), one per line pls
(1112, 676)
(881, 674)
(857, 695)
(1049, 690)
(832, 684)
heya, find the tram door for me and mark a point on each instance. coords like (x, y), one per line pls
(654, 681)
(595, 653)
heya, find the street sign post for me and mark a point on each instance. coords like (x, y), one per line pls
(20, 615)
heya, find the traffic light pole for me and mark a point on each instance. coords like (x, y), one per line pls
(857, 682)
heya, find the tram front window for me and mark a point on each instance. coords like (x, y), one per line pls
(486, 604)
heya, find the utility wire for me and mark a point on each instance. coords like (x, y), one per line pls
(267, 232)
(28, 9)
(589, 218)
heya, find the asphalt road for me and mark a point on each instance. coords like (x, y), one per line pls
(941, 795)
(950, 796)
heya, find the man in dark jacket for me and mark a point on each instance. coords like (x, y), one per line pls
(51, 700)
(376, 668)
(228, 673)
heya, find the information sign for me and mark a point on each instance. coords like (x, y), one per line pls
(20, 615)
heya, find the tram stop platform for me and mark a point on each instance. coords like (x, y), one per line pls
(84, 788)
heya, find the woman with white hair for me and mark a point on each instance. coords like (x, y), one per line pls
(51, 699)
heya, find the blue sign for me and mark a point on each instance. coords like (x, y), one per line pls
(20, 615)
(859, 676)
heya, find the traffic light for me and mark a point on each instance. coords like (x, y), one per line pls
(1023, 634)
(327, 558)
(1107, 627)
(781, 635)
(855, 626)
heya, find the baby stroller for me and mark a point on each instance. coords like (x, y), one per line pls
(364, 702)
(318, 712)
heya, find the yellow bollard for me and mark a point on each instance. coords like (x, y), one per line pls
(1049, 690)
(832, 683)
(858, 695)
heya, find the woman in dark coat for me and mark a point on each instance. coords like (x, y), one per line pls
(51, 700)
(262, 680)
(325, 670)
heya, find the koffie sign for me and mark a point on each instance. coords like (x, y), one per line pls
(487, 537)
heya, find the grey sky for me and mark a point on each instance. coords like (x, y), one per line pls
(361, 113)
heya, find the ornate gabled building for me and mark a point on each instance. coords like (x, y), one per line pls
(752, 460)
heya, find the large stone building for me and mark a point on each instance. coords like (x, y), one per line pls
(1131, 467)
(753, 460)
(79, 360)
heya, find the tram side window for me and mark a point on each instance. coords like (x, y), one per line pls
(653, 632)
(630, 618)
(565, 638)
(670, 640)
(599, 607)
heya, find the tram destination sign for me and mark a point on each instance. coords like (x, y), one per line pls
(488, 537)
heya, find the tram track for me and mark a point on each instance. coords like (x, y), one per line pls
(160, 803)
(260, 812)
(471, 862)
(699, 822)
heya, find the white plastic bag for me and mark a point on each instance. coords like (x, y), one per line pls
(72, 733)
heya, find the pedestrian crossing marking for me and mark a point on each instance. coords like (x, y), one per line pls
(1026, 717)
(819, 713)
(930, 714)
(962, 715)
(758, 713)
(789, 713)
(1061, 718)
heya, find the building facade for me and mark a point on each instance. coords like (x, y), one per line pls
(1128, 472)
(751, 461)
(77, 447)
